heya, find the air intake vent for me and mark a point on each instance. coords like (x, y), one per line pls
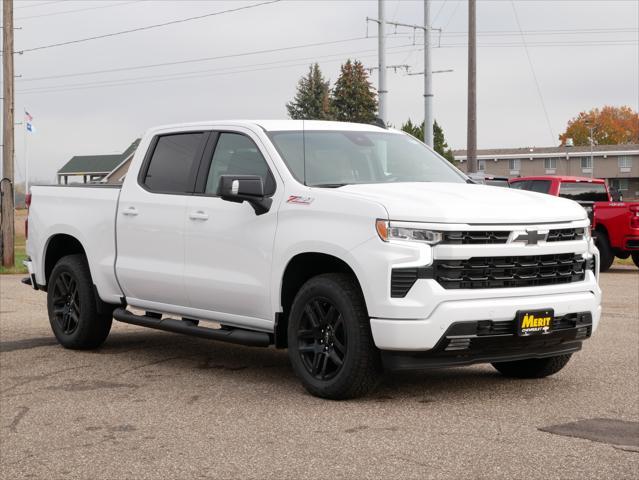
(455, 344)
(402, 280)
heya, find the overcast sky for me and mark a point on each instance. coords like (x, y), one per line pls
(583, 54)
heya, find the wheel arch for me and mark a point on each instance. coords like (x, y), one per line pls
(299, 269)
(58, 246)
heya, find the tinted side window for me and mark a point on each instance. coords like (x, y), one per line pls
(237, 154)
(519, 185)
(541, 186)
(172, 163)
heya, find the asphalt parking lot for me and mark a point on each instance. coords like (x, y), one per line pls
(151, 404)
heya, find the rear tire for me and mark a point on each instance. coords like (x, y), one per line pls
(73, 307)
(532, 368)
(606, 257)
(330, 344)
(635, 258)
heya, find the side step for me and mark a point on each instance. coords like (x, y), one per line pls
(231, 335)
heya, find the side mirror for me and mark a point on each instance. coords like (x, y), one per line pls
(245, 188)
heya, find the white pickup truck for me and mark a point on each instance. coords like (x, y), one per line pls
(356, 247)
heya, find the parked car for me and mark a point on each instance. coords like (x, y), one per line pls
(358, 248)
(615, 224)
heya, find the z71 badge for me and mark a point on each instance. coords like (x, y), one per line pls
(299, 200)
(534, 322)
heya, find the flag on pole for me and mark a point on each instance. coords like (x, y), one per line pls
(28, 120)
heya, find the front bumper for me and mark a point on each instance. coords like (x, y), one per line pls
(424, 334)
(481, 346)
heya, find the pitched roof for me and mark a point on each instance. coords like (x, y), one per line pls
(524, 152)
(97, 164)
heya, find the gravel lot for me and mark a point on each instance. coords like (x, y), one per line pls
(151, 404)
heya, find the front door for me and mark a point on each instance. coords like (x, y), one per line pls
(151, 219)
(228, 247)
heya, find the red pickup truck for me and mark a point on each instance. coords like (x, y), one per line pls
(615, 225)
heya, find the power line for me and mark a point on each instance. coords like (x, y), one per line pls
(579, 43)
(198, 60)
(65, 12)
(40, 4)
(148, 27)
(452, 15)
(532, 69)
(205, 73)
(438, 12)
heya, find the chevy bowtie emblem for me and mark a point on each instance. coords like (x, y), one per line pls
(531, 237)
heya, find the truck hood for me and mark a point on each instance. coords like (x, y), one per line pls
(466, 203)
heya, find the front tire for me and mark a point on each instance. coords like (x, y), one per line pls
(73, 308)
(330, 344)
(635, 258)
(606, 257)
(533, 367)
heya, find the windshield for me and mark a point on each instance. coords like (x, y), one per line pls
(336, 158)
(584, 191)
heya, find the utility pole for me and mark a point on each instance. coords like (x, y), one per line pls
(381, 47)
(428, 73)
(471, 140)
(428, 79)
(6, 185)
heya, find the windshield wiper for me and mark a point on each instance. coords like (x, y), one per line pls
(329, 185)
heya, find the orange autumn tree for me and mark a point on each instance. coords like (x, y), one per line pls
(611, 125)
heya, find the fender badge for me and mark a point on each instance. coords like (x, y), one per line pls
(299, 200)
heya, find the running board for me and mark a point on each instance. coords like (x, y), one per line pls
(231, 335)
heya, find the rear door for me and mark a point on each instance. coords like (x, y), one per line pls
(228, 247)
(151, 219)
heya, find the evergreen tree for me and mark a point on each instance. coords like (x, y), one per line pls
(311, 100)
(440, 145)
(354, 99)
(414, 130)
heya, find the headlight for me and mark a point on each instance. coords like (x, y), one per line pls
(587, 234)
(397, 231)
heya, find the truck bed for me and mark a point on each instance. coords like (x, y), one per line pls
(86, 212)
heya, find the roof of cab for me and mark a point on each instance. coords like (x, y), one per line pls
(560, 178)
(281, 125)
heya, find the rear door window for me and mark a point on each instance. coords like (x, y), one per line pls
(174, 162)
(584, 191)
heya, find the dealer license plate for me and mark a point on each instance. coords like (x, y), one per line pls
(534, 322)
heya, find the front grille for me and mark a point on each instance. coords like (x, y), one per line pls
(503, 272)
(475, 238)
(565, 234)
(487, 237)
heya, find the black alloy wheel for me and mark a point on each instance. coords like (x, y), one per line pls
(322, 339)
(66, 303)
(78, 318)
(330, 343)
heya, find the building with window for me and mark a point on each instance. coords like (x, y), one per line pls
(617, 164)
(98, 168)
